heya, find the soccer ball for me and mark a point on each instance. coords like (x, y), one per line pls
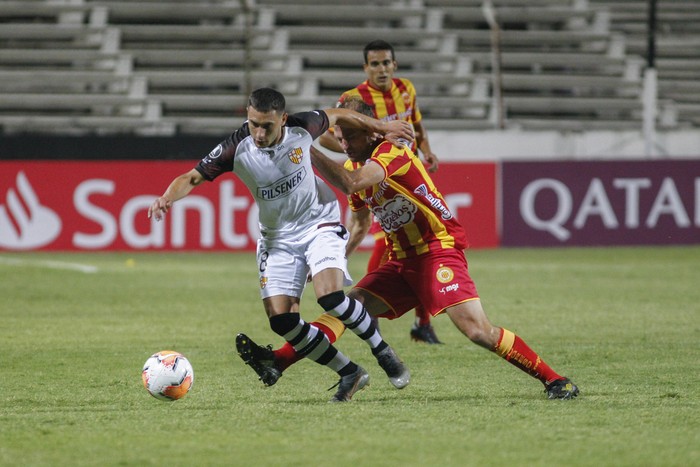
(167, 375)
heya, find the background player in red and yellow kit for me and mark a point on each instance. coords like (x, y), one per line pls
(426, 262)
(390, 98)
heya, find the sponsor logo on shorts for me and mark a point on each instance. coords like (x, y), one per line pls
(449, 288)
(296, 155)
(325, 260)
(283, 186)
(444, 274)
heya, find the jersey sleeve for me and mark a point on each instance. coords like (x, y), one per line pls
(221, 158)
(315, 122)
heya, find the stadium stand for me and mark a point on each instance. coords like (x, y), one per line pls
(168, 66)
(557, 60)
(677, 47)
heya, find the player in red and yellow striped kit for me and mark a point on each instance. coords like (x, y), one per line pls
(426, 259)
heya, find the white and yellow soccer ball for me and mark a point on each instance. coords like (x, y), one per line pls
(168, 375)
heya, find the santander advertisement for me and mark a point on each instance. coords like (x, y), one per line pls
(93, 206)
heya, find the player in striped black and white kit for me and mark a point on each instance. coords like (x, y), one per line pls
(300, 228)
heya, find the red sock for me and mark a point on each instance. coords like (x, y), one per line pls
(517, 352)
(422, 316)
(287, 356)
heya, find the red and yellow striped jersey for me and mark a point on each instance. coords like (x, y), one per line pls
(410, 209)
(399, 103)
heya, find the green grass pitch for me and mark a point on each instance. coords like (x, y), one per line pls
(75, 330)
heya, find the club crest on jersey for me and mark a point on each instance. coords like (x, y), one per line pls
(406, 99)
(296, 155)
(444, 275)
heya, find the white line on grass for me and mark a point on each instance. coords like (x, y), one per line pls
(86, 268)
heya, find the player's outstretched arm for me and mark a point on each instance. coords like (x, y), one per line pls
(178, 189)
(398, 132)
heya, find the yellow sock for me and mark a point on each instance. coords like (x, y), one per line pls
(330, 325)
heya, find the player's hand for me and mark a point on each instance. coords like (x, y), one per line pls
(432, 161)
(399, 132)
(159, 207)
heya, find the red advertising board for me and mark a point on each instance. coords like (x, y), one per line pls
(601, 203)
(93, 206)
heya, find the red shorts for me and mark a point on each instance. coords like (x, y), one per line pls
(435, 280)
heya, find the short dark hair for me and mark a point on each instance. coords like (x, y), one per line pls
(358, 105)
(267, 100)
(379, 45)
